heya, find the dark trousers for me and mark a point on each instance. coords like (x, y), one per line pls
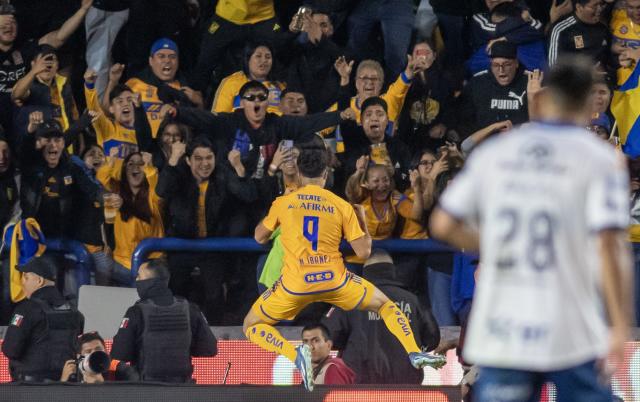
(203, 286)
(220, 35)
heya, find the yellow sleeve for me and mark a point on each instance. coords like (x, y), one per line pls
(228, 89)
(271, 221)
(156, 203)
(109, 175)
(103, 126)
(351, 226)
(395, 96)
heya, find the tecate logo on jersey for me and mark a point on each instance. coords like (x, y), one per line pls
(315, 277)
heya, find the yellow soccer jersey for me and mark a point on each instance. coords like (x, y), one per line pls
(110, 134)
(227, 97)
(313, 222)
(243, 12)
(150, 101)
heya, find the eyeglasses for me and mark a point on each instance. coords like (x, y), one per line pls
(503, 66)
(372, 79)
(254, 97)
(426, 163)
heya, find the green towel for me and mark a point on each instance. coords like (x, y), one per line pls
(273, 265)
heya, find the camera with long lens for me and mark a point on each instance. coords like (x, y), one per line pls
(92, 364)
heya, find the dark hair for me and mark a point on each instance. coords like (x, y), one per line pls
(318, 325)
(292, 89)
(88, 147)
(44, 50)
(133, 205)
(252, 85)
(372, 101)
(158, 268)
(117, 90)
(581, 2)
(507, 9)
(185, 131)
(88, 337)
(312, 160)
(248, 51)
(415, 161)
(442, 180)
(570, 80)
(199, 142)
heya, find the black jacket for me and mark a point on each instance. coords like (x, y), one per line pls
(572, 36)
(484, 102)
(398, 153)
(257, 146)
(177, 186)
(427, 104)
(367, 346)
(9, 196)
(69, 185)
(127, 340)
(312, 72)
(28, 324)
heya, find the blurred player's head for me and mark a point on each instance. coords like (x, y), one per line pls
(313, 161)
(566, 94)
(319, 341)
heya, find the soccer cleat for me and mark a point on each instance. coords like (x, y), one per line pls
(303, 363)
(420, 360)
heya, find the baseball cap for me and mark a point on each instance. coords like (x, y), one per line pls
(49, 129)
(44, 266)
(163, 43)
(503, 49)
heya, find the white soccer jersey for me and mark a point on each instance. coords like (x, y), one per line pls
(539, 195)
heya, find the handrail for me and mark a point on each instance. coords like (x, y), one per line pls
(147, 246)
(84, 262)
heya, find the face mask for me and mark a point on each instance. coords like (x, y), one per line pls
(145, 285)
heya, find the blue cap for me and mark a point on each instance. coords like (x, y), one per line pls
(163, 43)
(602, 120)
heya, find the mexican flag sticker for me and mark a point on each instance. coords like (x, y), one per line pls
(17, 320)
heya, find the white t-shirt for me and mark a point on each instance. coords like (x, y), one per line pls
(539, 195)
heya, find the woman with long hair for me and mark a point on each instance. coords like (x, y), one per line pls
(257, 65)
(132, 182)
(373, 187)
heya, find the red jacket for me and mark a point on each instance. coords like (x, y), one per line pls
(334, 371)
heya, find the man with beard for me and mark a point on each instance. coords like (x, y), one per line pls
(161, 83)
(161, 332)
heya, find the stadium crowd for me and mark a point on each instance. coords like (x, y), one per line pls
(123, 120)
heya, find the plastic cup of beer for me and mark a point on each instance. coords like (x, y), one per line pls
(110, 209)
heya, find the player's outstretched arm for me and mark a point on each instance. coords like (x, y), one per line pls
(262, 234)
(444, 226)
(362, 245)
(617, 285)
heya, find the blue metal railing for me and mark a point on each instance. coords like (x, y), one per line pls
(84, 262)
(230, 244)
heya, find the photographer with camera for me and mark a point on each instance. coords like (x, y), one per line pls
(93, 365)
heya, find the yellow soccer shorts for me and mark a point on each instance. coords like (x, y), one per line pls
(278, 304)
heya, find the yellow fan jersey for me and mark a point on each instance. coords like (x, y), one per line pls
(243, 12)
(150, 101)
(227, 97)
(313, 222)
(110, 134)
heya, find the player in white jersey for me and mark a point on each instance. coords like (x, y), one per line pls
(547, 207)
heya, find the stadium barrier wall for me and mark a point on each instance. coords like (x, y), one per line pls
(247, 244)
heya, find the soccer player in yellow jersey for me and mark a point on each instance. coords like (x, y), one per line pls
(313, 222)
